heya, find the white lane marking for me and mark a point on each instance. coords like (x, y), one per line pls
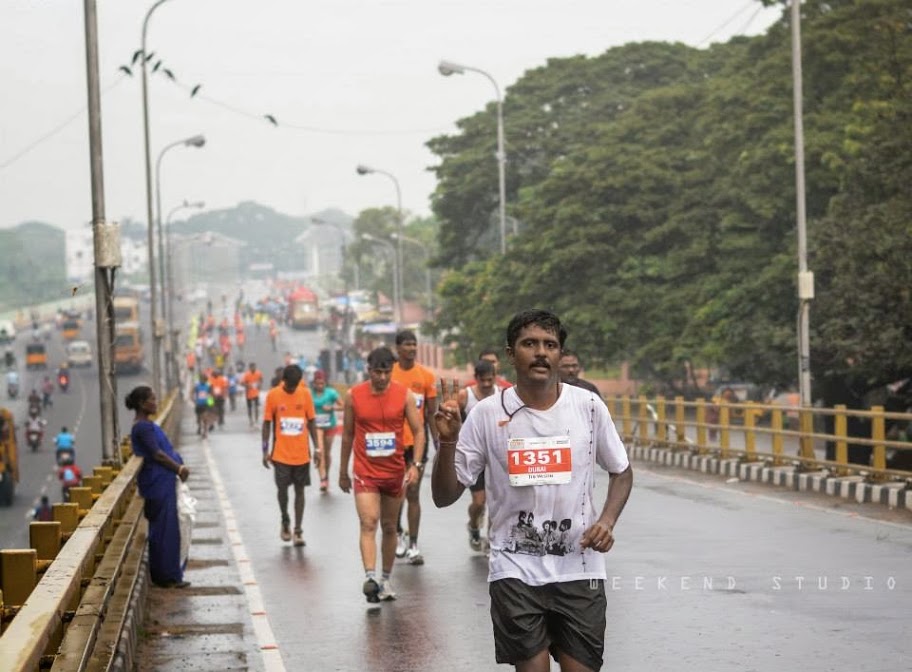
(269, 648)
(852, 515)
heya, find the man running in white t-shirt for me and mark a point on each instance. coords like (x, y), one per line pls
(539, 443)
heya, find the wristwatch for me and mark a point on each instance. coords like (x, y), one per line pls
(418, 465)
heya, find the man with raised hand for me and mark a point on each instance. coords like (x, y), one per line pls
(539, 443)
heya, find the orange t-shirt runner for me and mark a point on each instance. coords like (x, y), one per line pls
(252, 382)
(379, 414)
(422, 384)
(289, 415)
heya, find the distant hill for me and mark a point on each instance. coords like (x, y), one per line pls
(269, 235)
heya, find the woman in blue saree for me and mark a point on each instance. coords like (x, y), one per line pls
(158, 486)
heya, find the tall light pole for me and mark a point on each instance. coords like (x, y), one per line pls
(396, 270)
(170, 314)
(366, 170)
(194, 141)
(427, 268)
(447, 68)
(153, 317)
(805, 277)
(107, 248)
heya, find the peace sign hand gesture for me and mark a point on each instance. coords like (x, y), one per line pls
(447, 419)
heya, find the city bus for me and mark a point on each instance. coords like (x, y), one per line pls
(303, 309)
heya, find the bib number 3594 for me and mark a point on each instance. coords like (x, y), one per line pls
(539, 461)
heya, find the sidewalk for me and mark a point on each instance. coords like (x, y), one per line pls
(209, 625)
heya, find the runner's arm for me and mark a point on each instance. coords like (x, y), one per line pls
(445, 487)
(348, 437)
(429, 412)
(416, 424)
(600, 535)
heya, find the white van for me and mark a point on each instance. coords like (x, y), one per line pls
(79, 353)
(7, 332)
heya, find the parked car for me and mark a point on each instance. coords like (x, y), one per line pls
(79, 353)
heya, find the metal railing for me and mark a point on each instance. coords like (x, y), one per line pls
(794, 435)
(63, 602)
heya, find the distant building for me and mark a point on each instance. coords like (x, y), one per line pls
(80, 254)
(208, 257)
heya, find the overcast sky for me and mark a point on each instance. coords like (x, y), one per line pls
(349, 81)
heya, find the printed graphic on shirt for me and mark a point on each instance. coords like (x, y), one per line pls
(324, 420)
(552, 538)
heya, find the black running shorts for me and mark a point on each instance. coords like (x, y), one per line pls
(479, 485)
(567, 617)
(288, 474)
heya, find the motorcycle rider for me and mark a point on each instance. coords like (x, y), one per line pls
(66, 444)
(63, 377)
(34, 430)
(69, 474)
(12, 384)
(34, 403)
(47, 388)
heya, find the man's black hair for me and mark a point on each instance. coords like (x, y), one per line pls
(535, 317)
(292, 374)
(381, 358)
(489, 351)
(567, 352)
(405, 335)
(484, 368)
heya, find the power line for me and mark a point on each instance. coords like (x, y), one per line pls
(304, 127)
(727, 22)
(54, 131)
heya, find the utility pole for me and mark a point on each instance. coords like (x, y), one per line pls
(106, 238)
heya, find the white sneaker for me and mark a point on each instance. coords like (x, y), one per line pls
(414, 556)
(386, 593)
(402, 544)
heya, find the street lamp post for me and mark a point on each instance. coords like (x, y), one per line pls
(366, 170)
(397, 290)
(194, 141)
(447, 68)
(805, 277)
(170, 271)
(427, 268)
(153, 317)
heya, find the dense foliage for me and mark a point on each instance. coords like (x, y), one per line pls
(32, 265)
(656, 189)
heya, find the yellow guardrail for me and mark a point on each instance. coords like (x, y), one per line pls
(711, 429)
(63, 601)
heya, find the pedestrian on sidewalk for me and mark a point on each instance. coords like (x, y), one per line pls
(376, 412)
(289, 424)
(538, 444)
(158, 487)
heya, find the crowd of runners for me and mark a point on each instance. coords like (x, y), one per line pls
(525, 450)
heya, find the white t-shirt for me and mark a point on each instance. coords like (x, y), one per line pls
(535, 529)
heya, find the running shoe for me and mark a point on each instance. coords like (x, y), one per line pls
(371, 590)
(474, 537)
(402, 544)
(299, 538)
(386, 594)
(414, 556)
(286, 532)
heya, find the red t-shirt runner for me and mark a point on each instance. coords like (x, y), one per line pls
(379, 421)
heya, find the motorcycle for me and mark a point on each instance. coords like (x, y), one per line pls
(33, 438)
(12, 390)
(64, 381)
(34, 409)
(66, 456)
